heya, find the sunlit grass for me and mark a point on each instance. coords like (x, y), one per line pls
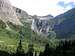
(10, 44)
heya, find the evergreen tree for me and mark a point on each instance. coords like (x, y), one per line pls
(19, 50)
(31, 50)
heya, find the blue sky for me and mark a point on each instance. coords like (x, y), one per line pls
(44, 7)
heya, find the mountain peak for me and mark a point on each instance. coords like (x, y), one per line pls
(7, 14)
(65, 28)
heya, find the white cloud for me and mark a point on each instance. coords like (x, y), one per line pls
(40, 7)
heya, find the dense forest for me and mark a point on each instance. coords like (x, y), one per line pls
(65, 48)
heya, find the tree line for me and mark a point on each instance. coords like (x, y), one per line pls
(65, 48)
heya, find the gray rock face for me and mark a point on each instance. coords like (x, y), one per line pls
(23, 15)
(42, 24)
(7, 14)
(20, 13)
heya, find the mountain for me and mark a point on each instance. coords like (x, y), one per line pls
(7, 14)
(15, 23)
(42, 24)
(65, 24)
(11, 17)
(12, 20)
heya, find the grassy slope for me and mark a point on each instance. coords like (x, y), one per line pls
(9, 39)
